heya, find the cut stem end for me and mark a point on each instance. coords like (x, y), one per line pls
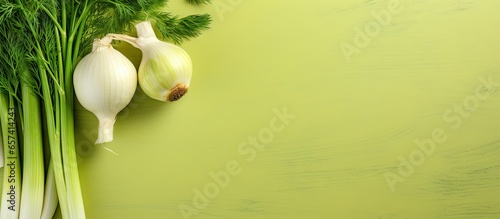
(177, 92)
(105, 133)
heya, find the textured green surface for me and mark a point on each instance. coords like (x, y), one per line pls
(353, 121)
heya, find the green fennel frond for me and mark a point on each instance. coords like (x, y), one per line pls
(11, 57)
(198, 2)
(152, 5)
(120, 16)
(7, 9)
(180, 29)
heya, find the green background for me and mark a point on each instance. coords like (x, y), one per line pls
(353, 121)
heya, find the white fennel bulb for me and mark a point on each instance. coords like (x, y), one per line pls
(165, 70)
(105, 82)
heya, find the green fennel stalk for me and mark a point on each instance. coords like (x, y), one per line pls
(33, 175)
(12, 176)
(33, 166)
